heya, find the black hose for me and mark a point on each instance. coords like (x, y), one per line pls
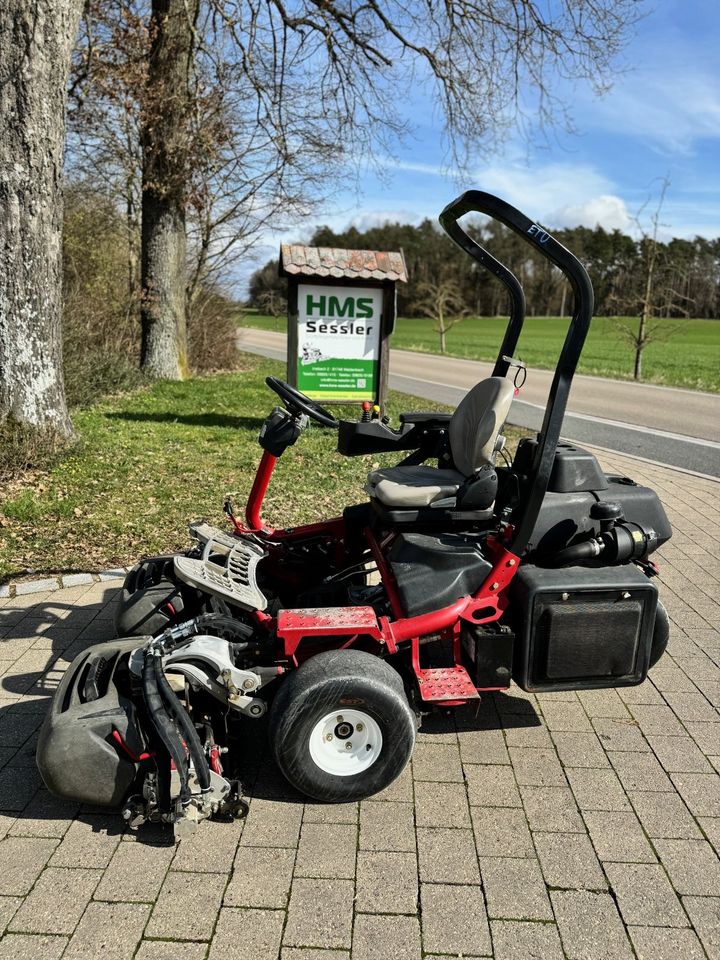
(586, 550)
(180, 714)
(163, 724)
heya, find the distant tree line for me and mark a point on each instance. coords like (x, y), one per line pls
(686, 273)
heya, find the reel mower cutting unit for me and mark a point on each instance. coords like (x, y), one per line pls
(449, 581)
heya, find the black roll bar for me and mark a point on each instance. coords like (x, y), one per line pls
(448, 221)
(476, 201)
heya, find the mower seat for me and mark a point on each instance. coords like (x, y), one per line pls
(475, 433)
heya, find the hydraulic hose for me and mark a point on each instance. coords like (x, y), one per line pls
(164, 726)
(180, 714)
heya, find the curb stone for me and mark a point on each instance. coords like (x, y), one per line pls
(49, 584)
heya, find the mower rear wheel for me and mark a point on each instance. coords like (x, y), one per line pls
(341, 728)
(151, 600)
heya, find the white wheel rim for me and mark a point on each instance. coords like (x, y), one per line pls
(345, 742)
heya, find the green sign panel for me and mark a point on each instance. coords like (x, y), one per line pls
(338, 341)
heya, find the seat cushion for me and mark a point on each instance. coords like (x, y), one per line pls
(413, 486)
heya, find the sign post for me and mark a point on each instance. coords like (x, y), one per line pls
(340, 317)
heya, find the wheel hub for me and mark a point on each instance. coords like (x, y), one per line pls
(345, 744)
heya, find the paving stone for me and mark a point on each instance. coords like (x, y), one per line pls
(501, 831)
(590, 926)
(520, 940)
(618, 837)
(171, 950)
(21, 862)
(108, 930)
(401, 790)
(664, 815)
(19, 782)
(211, 850)
(665, 943)
(187, 906)
(552, 809)
(379, 937)
(23, 946)
(692, 706)
(705, 735)
(447, 856)
(45, 816)
(568, 860)
(580, 750)
(441, 805)
(57, 901)
(537, 768)
(692, 865)
(597, 789)
(711, 828)
(527, 732)
(640, 771)
(270, 825)
(700, 791)
(679, 754)
(89, 842)
(135, 873)
(247, 934)
(565, 717)
(491, 785)
(300, 953)
(320, 914)
(514, 889)
(644, 895)
(454, 920)
(261, 878)
(8, 906)
(386, 882)
(326, 850)
(332, 812)
(620, 733)
(483, 746)
(437, 762)
(602, 703)
(387, 826)
(657, 718)
(704, 913)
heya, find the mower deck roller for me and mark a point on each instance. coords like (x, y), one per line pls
(457, 576)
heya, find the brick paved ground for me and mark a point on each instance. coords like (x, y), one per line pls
(584, 826)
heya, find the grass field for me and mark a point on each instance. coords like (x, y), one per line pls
(151, 461)
(691, 358)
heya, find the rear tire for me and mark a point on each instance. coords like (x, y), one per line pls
(341, 728)
(151, 601)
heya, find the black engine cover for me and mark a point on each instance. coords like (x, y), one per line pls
(579, 628)
(433, 571)
(76, 754)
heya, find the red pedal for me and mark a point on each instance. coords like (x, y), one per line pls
(446, 683)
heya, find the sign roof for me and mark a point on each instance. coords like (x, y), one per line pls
(298, 260)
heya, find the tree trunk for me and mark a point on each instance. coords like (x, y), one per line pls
(36, 40)
(165, 161)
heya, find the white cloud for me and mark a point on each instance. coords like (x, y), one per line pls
(606, 210)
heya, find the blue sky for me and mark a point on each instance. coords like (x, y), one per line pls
(661, 118)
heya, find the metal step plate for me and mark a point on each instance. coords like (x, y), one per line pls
(446, 683)
(235, 582)
(215, 539)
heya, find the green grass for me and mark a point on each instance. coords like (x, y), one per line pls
(690, 358)
(151, 461)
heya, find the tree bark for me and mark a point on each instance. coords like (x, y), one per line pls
(165, 164)
(36, 40)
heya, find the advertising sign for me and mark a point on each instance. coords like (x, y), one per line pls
(338, 341)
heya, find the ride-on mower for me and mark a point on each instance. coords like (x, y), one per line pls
(451, 580)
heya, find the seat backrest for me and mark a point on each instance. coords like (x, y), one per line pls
(477, 423)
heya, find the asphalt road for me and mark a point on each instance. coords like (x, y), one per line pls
(680, 428)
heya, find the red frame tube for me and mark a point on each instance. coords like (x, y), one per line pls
(263, 476)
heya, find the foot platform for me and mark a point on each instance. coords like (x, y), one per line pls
(441, 684)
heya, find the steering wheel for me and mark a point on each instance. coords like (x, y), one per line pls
(296, 401)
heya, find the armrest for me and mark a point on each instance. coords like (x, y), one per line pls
(427, 416)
